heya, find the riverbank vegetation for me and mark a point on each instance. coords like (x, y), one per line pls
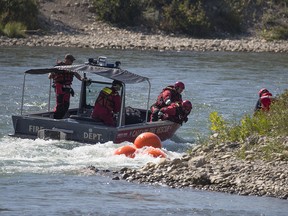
(197, 18)
(261, 136)
(200, 18)
(16, 16)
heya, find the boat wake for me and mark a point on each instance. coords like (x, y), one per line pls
(68, 157)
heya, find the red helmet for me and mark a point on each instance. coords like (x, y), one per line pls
(262, 91)
(179, 84)
(187, 105)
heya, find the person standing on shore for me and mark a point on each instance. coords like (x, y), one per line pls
(264, 101)
(170, 94)
(62, 82)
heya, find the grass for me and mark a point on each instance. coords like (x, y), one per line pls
(14, 29)
(264, 133)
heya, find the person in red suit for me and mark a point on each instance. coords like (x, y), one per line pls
(264, 101)
(170, 94)
(108, 104)
(177, 112)
(62, 82)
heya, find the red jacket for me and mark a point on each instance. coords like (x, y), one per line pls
(266, 100)
(174, 112)
(107, 104)
(168, 93)
(64, 77)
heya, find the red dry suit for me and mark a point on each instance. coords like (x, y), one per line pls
(62, 83)
(266, 99)
(174, 112)
(166, 97)
(106, 105)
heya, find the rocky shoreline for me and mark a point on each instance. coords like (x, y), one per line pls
(113, 38)
(215, 168)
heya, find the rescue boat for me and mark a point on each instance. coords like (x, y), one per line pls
(77, 125)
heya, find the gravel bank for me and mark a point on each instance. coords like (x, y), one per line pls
(216, 168)
(113, 38)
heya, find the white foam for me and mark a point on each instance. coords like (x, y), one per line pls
(52, 156)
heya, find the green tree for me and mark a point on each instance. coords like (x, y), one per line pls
(23, 11)
(122, 12)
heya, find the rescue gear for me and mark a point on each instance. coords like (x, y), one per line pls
(168, 102)
(175, 112)
(266, 100)
(64, 78)
(179, 84)
(262, 91)
(105, 98)
(107, 106)
(187, 105)
(167, 96)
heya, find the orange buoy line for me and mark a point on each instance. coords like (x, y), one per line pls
(147, 139)
(154, 152)
(128, 150)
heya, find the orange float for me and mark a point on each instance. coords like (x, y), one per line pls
(147, 139)
(154, 152)
(128, 150)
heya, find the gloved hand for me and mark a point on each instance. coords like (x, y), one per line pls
(72, 92)
(160, 114)
(168, 102)
(88, 81)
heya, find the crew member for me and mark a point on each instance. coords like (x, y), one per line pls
(62, 82)
(170, 94)
(264, 101)
(177, 112)
(108, 104)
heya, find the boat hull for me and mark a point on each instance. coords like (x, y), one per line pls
(86, 130)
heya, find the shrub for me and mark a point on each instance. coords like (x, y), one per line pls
(273, 125)
(275, 33)
(24, 11)
(14, 29)
(1, 29)
(185, 17)
(122, 12)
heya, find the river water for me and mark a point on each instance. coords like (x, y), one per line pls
(40, 177)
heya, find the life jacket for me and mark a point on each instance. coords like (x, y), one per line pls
(179, 115)
(64, 77)
(105, 98)
(174, 96)
(266, 100)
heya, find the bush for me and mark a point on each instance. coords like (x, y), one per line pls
(272, 125)
(24, 11)
(185, 17)
(14, 29)
(1, 29)
(122, 12)
(275, 33)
